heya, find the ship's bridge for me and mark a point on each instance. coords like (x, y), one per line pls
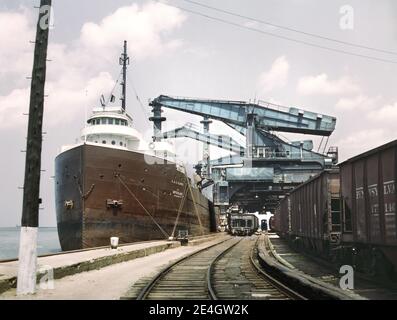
(112, 126)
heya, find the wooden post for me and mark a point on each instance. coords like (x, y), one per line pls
(31, 195)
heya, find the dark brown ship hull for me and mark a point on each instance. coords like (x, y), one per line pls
(103, 192)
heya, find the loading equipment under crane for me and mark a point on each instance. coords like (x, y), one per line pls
(255, 175)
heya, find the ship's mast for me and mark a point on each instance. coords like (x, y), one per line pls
(124, 61)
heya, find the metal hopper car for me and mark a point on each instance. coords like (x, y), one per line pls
(347, 214)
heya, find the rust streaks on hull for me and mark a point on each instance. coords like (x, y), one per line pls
(93, 205)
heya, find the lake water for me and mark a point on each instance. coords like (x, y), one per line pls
(48, 242)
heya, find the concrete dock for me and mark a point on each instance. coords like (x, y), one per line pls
(100, 273)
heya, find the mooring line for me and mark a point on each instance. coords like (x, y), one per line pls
(179, 211)
(143, 207)
(194, 203)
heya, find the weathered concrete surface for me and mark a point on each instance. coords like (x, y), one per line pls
(68, 264)
(310, 286)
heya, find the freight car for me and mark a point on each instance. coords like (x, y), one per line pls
(348, 215)
(243, 224)
(310, 215)
(368, 197)
(271, 224)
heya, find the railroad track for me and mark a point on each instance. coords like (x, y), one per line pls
(201, 275)
(237, 274)
(185, 278)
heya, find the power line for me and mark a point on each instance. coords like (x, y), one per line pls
(278, 36)
(291, 29)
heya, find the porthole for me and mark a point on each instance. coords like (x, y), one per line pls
(104, 141)
(113, 142)
(121, 144)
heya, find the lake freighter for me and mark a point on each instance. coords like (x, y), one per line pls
(115, 184)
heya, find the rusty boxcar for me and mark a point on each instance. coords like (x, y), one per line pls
(368, 195)
(282, 217)
(348, 214)
(310, 215)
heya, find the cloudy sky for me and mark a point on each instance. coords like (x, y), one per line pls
(177, 52)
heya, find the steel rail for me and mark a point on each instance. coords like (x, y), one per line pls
(210, 271)
(148, 288)
(273, 281)
(266, 277)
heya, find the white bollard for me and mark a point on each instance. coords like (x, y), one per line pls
(114, 242)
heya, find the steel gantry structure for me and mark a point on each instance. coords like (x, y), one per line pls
(255, 175)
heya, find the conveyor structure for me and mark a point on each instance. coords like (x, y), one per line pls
(257, 175)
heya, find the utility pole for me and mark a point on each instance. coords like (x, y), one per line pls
(26, 283)
(124, 61)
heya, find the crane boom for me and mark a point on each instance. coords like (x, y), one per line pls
(268, 116)
(220, 141)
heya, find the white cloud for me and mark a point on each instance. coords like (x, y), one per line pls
(13, 105)
(62, 104)
(385, 115)
(143, 27)
(12, 24)
(16, 51)
(276, 77)
(199, 52)
(321, 85)
(75, 78)
(355, 143)
(358, 103)
(360, 136)
(65, 103)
